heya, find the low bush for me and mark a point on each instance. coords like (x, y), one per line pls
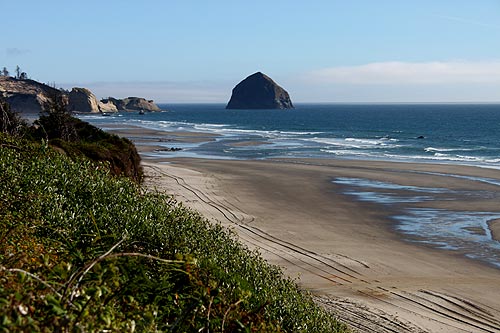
(83, 251)
(77, 138)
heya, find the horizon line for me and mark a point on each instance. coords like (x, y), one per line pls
(371, 103)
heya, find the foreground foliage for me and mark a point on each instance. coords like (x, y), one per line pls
(83, 251)
(78, 138)
(10, 122)
(74, 137)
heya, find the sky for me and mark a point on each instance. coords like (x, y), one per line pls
(193, 51)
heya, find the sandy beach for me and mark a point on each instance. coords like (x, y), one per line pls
(345, 251)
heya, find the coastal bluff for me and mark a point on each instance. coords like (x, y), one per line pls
(32, 97)
(26, 96)
(259, 91)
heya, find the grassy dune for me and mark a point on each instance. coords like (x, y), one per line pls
(81, 250)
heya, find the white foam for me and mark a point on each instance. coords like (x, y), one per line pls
(347, 152)
(443, 157)
(447, 150)
(231, 131)
(355, 143)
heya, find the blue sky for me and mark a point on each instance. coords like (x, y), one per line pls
(320, 51)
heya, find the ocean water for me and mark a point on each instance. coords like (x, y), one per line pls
(437, 133)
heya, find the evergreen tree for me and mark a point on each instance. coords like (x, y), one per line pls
(56, 122)
(10, 122)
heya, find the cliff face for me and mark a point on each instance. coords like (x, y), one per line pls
(138, 103)
(107, 107)
(258, 91)
(27, 96)
(132, 104)
(82, 100)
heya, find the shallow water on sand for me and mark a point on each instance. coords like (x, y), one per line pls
(466, 232)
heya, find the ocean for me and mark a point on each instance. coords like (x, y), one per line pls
(439, 133)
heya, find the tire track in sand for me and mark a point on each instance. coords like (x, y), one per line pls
(448, 312)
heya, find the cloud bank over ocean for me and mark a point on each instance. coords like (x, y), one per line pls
(399, 72)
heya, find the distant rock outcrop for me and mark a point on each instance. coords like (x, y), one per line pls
(82, 100)
(258, 91)
(107, 107)
(132, 104)
(27, 96)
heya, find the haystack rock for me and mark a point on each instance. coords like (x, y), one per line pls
(82, 100)
(259, 91)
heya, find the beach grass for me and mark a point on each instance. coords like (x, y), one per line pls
(82, 250)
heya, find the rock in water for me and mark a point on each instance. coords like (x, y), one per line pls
(259, 91)
(131, 104)
(82, 100)
(138, 103)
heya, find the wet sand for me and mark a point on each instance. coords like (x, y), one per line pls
(494, 226)
(346, 252)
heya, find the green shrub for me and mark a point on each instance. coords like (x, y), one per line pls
(83, 251)
(77, 138)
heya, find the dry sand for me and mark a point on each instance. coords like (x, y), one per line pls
(345, 251)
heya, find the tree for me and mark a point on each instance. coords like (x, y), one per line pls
(56, 122)
(10, 122)
(5, 72)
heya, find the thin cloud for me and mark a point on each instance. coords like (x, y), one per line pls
(15, 52)
(468, 21)
(437, 72)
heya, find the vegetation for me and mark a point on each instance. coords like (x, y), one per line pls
(10, 122)
(83, 251)
(75, 138)
(20, 75)
(78, 138)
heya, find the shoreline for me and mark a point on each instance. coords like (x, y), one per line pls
(344, 251)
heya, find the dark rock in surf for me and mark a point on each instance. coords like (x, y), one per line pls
(258, 91)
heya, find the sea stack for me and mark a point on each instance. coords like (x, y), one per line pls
(82, 100)
(259, 91)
